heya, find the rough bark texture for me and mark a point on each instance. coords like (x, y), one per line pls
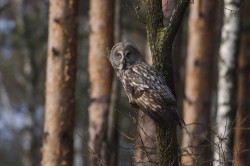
(146, 153)
(227, 82)
(161, 41)
(198, 83)
(241, 137)
(60, 84)
(100, 76)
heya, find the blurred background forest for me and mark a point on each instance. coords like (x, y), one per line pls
(204, 98)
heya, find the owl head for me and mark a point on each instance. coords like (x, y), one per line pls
(124, 55)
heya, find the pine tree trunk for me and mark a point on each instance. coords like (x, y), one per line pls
(100, 76)
(241, 137)
(198, 82)
(227, 82)
(60, 84)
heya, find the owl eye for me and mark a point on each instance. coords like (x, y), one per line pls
(119, 55)
(128, 55)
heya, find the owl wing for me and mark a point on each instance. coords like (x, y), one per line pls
(150, 92)
(143, 80)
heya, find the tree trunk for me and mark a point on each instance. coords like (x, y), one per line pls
(161, 40)
(198, 83)
(146, 151)
(241, 137)
(241, 142)
(100, 76)
(60, 84)
(227, 82)
(145, 154)
(113, 119)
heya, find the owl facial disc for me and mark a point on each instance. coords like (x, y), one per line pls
(124, 55)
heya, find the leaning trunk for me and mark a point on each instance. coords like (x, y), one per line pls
(227, 87)
(60, 84)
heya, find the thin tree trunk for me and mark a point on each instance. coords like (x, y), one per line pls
(113, 119)
(161, 40)
(167, 8)
(60, 84)
(198, 83)
(113, 125)
(227, 82)
(241, 137)
(100, 76)
(241, 142)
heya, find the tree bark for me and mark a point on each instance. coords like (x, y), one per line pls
(113, 118)
(198, 83)
(60, 84)
(241, 137)
(100, 76)
(227, 82)
(161, 40)
(145, 154)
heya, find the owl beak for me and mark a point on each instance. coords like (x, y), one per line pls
(123, 64)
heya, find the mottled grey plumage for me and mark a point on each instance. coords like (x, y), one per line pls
(144, 85)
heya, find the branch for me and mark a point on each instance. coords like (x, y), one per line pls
(154, 18)
(175, 22)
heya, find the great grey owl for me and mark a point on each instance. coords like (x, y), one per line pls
(143, 84)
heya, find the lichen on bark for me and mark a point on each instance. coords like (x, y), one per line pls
(161, 40)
